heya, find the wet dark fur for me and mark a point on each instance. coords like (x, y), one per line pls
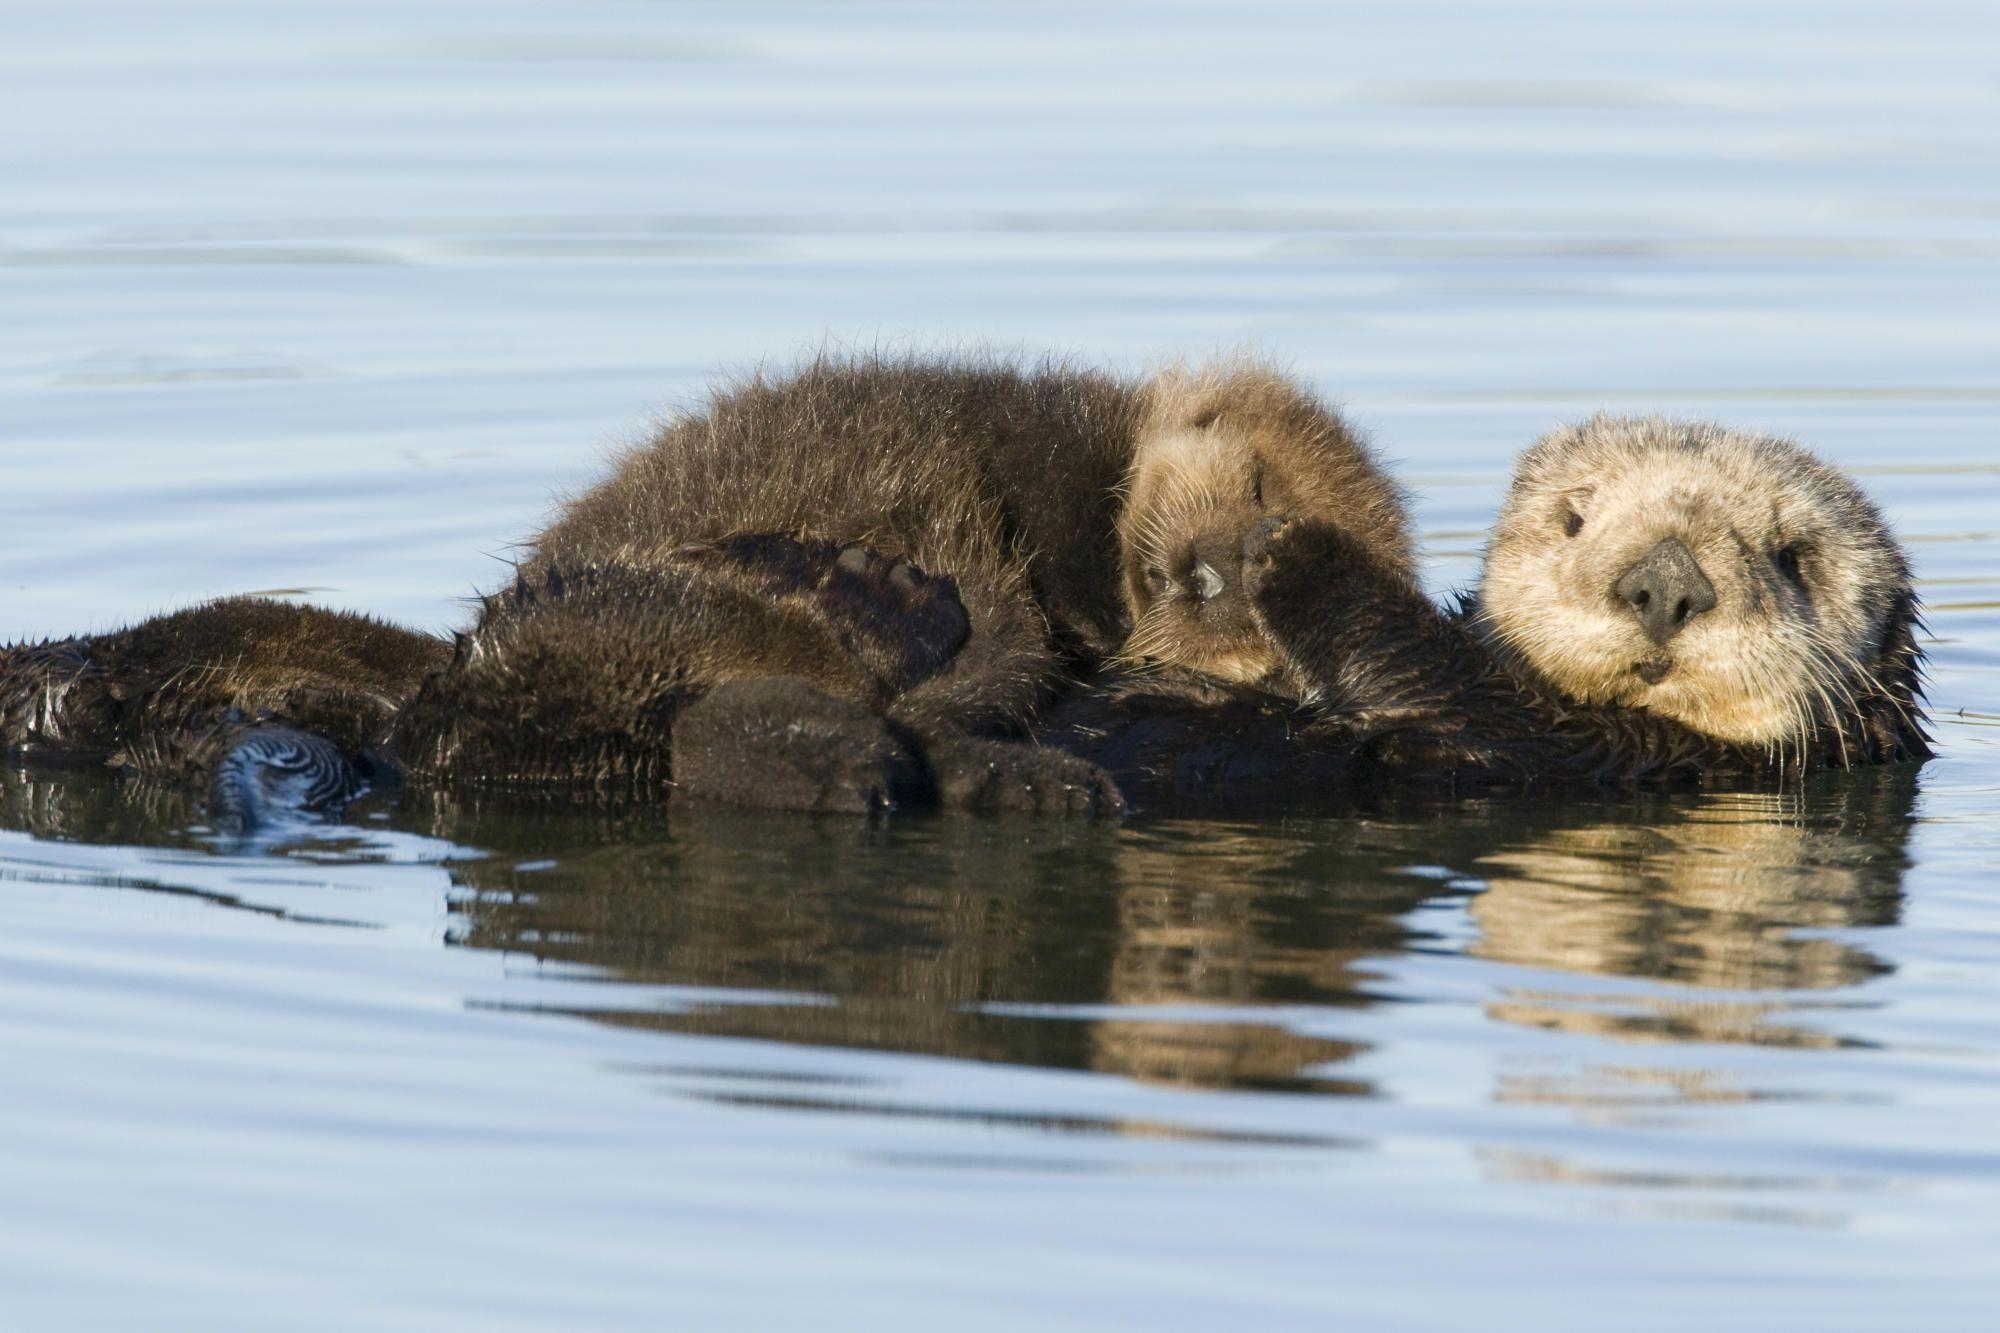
(741, 610)
(755, 670)
(171, 696)
(1409, 696)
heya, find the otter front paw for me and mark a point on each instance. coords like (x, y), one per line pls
(1280, 547)
(779, 744)
(1298, 559)
(1020, 778)
(905, 624)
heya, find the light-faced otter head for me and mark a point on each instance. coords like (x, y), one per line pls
(1731, 581)
(1218, 452)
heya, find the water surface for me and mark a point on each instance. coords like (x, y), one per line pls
(333, 300)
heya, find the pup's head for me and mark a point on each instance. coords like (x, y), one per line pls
(1218, 451)
(1731, 581)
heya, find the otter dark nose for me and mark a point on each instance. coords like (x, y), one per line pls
(1208, 584)
(1666, 589)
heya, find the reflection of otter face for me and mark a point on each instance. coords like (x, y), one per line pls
(1714, 896)
(1733, 582)
(1217, 453)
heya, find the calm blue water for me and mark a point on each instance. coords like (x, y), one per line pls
(336, 298)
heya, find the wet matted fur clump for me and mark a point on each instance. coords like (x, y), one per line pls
(174, 696)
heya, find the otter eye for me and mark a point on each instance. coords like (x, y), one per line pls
(1572, 523)
(1787, 561)
(1156, 581)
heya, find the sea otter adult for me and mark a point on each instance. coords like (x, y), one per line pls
(1661, 601)
(1079, 518)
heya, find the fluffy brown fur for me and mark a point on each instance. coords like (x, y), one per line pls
(1044, 496)
(1218, 452)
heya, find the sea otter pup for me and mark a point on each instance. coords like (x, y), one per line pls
(1078, 518)
(1216, 454)
(1662, 601)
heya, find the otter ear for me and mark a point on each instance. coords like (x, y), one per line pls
(1205, 418)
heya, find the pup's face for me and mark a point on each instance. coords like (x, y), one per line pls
(1195, 496)
(1730, 581)
(1217, 454)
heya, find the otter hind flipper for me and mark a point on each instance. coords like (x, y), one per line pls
(1019, 777)
(777, 743)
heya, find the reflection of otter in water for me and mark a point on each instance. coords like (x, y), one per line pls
(957, 937)
(1712, 895)
(1186, 954)
(1736, 608)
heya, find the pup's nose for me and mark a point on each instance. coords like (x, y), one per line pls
(1666, 589)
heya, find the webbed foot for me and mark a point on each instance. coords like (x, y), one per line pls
(274, 775)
